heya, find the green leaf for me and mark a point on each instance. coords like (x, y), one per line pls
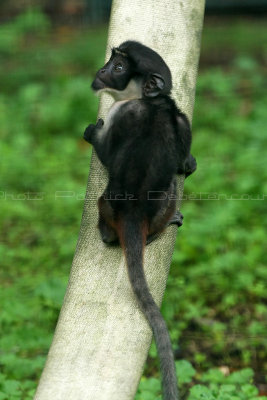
(200, 392)
(213, 375)
(227, 389)
(11, 387)
(185, 371)
(249, 390)
(241, 377)
(151, 384)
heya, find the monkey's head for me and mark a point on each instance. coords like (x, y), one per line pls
(133, 71)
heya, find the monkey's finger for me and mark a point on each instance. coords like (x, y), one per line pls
(100, 123)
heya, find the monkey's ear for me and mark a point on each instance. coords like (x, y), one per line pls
(153, 85)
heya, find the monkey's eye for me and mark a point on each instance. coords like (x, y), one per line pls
(118, 67)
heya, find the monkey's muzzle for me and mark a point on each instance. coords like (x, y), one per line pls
(97, 84)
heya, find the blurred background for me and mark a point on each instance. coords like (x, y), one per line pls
(216, 299)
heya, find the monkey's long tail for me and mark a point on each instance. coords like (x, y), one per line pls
(132, 235)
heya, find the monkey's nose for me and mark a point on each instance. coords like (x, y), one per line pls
(103, 70)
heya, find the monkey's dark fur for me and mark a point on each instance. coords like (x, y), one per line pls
(144, 143)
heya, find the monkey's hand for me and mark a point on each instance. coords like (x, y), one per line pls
(99, 123)
(190, 165)
(91, 130)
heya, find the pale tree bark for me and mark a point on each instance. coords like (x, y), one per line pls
(102, 339)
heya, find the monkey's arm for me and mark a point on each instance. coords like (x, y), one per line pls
(91, 135)
(184, 130)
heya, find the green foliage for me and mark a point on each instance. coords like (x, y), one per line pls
(11, 389)
(45, 104)
(185, 372)
(220, 387)
(14, 34)
(149, 389)
(215, 302)
(210, 385)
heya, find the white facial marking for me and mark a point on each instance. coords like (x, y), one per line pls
(132, 91)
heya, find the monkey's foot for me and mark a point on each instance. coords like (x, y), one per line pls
(110, 240)
(152, 237)
(177, 219)
(108, 234)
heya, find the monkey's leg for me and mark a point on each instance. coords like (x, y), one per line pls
(166, 214)
(107, 232)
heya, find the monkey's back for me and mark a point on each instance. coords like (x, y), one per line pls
(143, 144)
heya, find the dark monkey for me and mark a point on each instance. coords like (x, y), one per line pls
(144, 143)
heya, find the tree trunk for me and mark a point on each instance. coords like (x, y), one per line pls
(102, 338)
